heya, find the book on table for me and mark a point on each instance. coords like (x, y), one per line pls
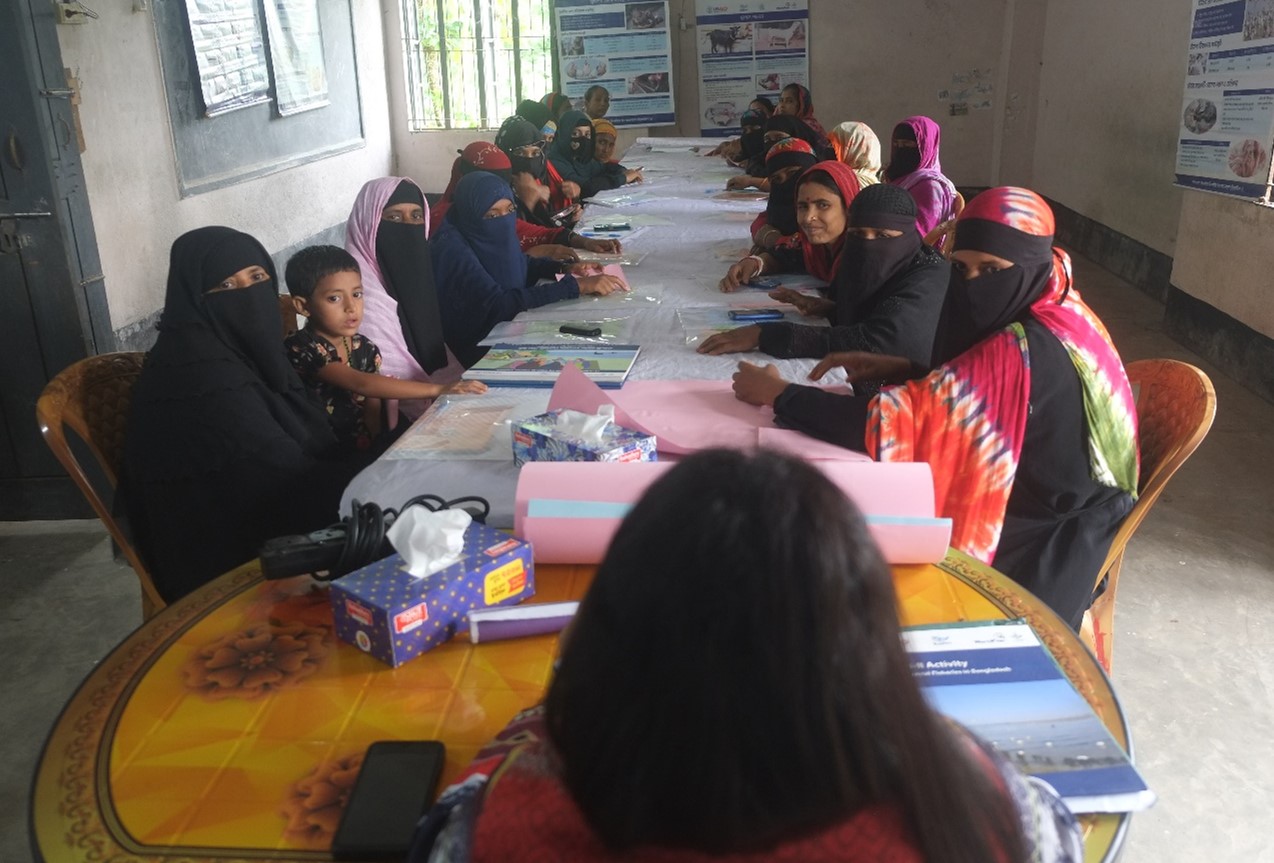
(539, 365)
(998, 680)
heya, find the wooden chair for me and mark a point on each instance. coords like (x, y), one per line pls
(942, 237)
(92, 398)
(1175, 407)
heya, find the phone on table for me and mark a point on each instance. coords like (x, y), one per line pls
(579, 330)
(394, 787)
(756, 315)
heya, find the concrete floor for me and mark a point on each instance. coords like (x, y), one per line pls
(1193, 653)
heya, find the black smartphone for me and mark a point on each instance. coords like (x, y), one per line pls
(394, 787)
(574, 330)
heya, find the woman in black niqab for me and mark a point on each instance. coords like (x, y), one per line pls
(224, 447)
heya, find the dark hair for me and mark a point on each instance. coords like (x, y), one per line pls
(312, 264)
(767, 102)
(735, 677)
(593, 91)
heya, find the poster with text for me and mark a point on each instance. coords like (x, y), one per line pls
(1227, 112)
(624, 47)
(296, 53)
(747, 49)
(229, 54)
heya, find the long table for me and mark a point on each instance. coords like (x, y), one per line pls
(145, 764)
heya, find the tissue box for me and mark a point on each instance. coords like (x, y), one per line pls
(539, 439)
(386, 611)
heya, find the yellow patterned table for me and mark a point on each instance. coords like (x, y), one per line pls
(230, 726)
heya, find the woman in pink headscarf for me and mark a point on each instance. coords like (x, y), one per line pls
(914, 165)
(387, 234)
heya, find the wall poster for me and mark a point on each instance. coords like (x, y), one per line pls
(229, 54)
(624, 47)
(747, 49)
(296, 53)
(1227, 112)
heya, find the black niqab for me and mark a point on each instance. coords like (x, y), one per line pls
(402, 250)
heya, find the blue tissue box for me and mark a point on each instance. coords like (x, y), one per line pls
(386, 611)
(539, 439)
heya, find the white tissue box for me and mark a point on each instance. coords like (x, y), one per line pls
(539, 439)
(386, 611)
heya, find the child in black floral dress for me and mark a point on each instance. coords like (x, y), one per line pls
(337, 364)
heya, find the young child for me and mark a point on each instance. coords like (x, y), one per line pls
(337, 364)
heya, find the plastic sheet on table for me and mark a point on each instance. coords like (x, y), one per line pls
(623, 234)
(614, 330)
(623, 259)
(698, 324)
(620, 197)
(639, 296)
(730, 250)
(469, 427)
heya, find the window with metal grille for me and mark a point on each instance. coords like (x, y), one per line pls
(469, 62)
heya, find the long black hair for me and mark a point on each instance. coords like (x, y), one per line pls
(735, 678)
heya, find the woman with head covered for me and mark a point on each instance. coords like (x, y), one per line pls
(1027, 418)
(482, 274)
(571, 154)
(914, 165)
(225, 448)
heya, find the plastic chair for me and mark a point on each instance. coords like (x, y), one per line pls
(92, 398)
(1175, 408)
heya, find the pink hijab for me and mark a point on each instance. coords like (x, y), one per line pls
(380, 310)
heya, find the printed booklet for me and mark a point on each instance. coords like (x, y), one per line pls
(539, 365)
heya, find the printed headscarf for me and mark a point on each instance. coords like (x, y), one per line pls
(478, 156)
(857, 146)
(967, 418)
(394, 306)
(821, 261)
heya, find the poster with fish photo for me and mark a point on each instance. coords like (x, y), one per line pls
(624, 47)
(747, 49)
(1226, 123)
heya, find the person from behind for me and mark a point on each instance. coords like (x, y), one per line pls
(735, 685)
(596, 101)
(225, 447)
(857, 146)
(340, 366)
(557, 104)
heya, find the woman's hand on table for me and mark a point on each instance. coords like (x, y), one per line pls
(743, 181)
(585, 269)
(604, 247)
(570, 189)
(732, 341)
(471, 388)
(633, 175)
(740, 274)
(864, 366)
(601, 285)
(811, 307)
(555, 251)
(758, 385)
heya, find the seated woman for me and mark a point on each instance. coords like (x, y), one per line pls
(819, 207)
(482, 274)
(735, 151)
(538, 116)
(795, 101)
(914, 165)
(557, 103)
(857, 146)
(604, 136)
(225, 448)
(785, 161)
(885, 298)
(734, 687)
(776, 129)
(1027, 419)
(387, 233)
(571, 153)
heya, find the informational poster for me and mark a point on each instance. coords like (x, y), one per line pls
(1227, 113)
(296, 54)
(624, 47)
(747, 49)
(229, 54)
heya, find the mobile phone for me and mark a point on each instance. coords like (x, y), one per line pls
(767, 284)
(755, 315)
(562, 214)
(612, 226)
(572, 330)
(394, 787)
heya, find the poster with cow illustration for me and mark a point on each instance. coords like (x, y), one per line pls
(747, 48)
(624, 47)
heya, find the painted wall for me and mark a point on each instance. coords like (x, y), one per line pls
(1225, 257)
(130, 167)
(1111, 87)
